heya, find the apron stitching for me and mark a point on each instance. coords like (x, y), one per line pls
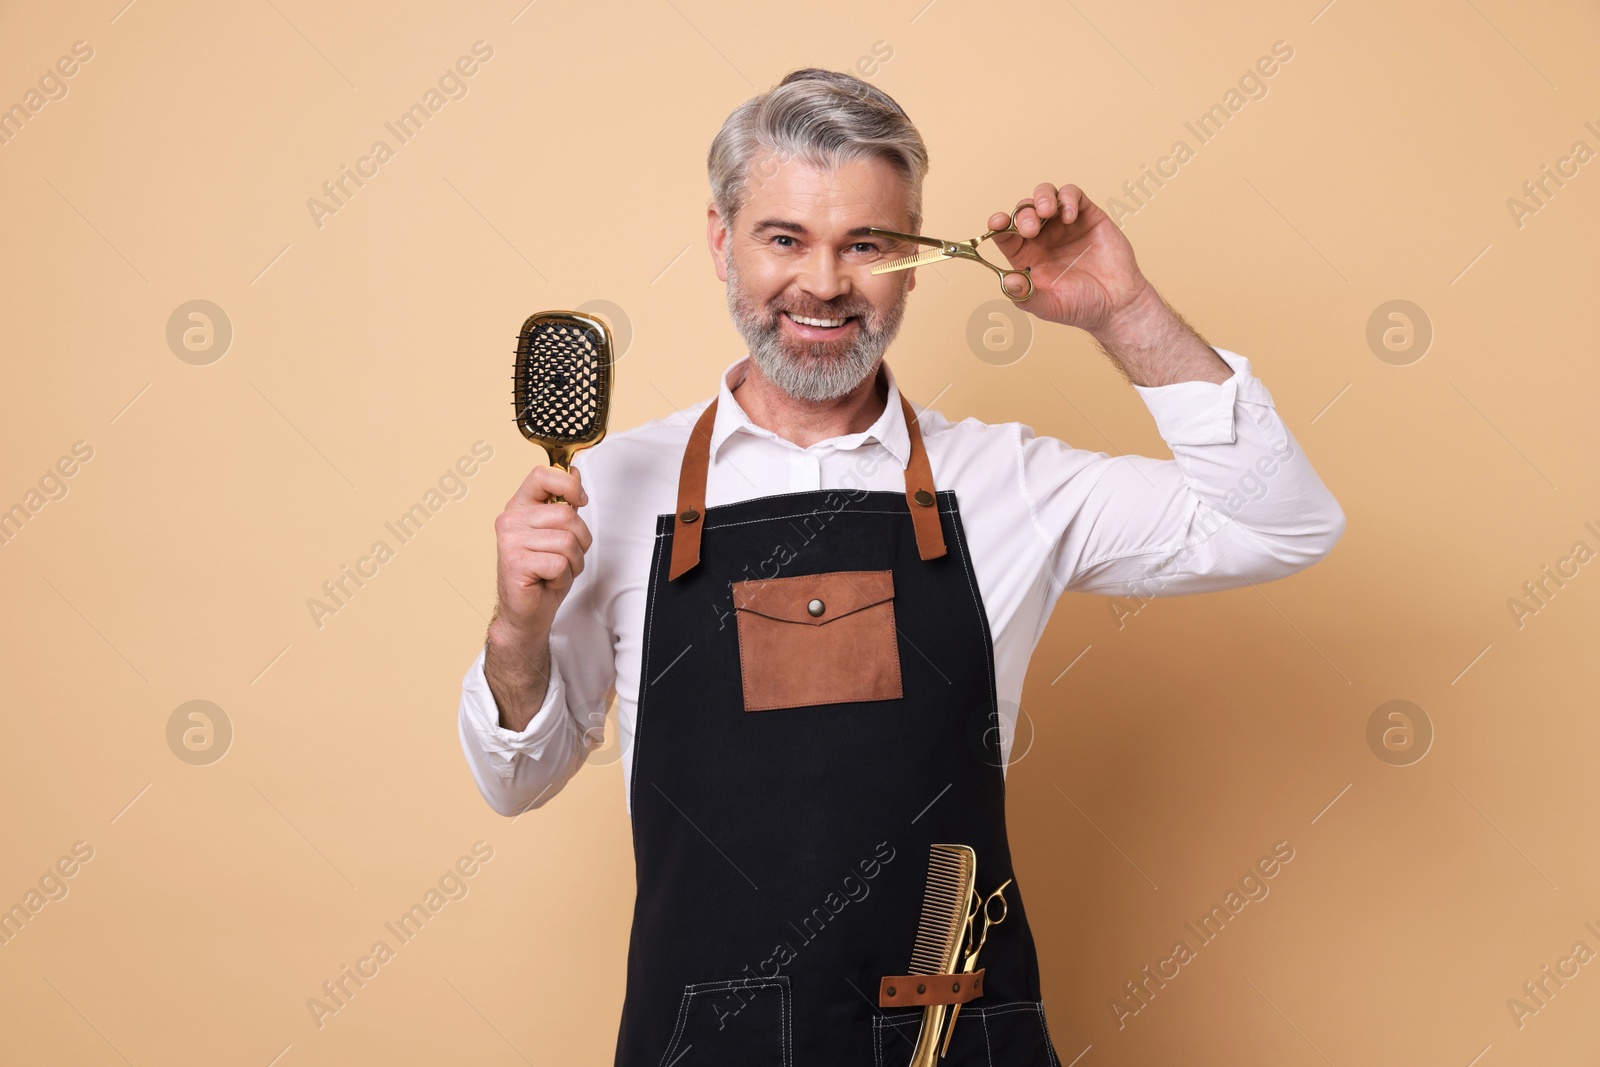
(801, 492)
(683, 1015)
(1049, 1046)
(882, 1027)
(781, 983)
(988, 1049)
(744, 675)
(988, 651)
(796, 515)
(894, 644)
(638, 714)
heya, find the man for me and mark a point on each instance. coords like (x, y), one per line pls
(810, 599)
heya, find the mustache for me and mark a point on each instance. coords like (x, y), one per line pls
(826, 313)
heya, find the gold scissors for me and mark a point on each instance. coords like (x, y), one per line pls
(954, 250)
(988, 921)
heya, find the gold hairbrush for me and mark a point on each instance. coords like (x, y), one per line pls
(561, 385)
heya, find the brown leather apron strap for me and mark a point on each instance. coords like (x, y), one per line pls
(692, 494)
(921, 497)
(920, 494)
(918, 990)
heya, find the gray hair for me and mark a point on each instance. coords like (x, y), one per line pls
(823, 118)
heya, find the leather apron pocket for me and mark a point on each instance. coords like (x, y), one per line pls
(817, 639)
(745, 1021)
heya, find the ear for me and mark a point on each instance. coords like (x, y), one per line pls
(717, 239)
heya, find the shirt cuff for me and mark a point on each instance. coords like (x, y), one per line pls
(501, 744)
(1199, 412)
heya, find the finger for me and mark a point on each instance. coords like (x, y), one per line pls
(1074, 202)
(515, 522)
(551, 557)
(547, 564)
(548, 553)
(1027, 218)
(544, 568)
(542, 483)
(1046, 200)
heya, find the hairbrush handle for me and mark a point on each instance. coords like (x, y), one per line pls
(560, 457)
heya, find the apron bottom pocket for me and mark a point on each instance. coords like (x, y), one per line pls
(1012, 1034)
(740, 1021)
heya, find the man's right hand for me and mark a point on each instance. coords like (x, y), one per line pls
(540, 548)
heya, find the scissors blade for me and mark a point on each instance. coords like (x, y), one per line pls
(933, 255)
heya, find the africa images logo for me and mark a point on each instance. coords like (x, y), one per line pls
(1252, 887)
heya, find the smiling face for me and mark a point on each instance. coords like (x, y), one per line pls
(798, 266)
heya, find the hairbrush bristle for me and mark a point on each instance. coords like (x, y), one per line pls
(952, 869)
(562, 378)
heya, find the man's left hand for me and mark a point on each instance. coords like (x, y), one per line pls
(1084, 272)
(1084, 275)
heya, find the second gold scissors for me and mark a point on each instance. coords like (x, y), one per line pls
(977, 941)
(954, 250)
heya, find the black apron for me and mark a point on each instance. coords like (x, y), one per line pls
(781, 836)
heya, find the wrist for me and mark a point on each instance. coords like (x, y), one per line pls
(1152, 345)
(520, 630)
(516, 651)
(1137, 324)
(516, 667)
(510, 639)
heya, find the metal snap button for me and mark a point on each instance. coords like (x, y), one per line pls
(955, 987)
(923, 497)
(890, 991)
(689, 515)
(921, 988)
(816, 607)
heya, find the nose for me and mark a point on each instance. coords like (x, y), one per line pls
(823, 277)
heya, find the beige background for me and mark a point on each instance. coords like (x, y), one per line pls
(368, 354)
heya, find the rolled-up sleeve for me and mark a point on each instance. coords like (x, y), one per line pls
(1238, 501)
(518, 770)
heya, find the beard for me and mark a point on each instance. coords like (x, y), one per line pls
(813, 370)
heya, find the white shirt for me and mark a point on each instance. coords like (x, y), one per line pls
(1238, 501)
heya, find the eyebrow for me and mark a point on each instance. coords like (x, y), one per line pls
(795, 227)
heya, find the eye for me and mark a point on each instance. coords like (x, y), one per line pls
(783, 237)
(868, 245)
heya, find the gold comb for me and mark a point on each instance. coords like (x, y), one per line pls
(952, 871)
(561, 385)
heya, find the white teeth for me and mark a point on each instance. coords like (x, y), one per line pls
(815, 322)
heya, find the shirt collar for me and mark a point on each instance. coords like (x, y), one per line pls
(889, 429)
